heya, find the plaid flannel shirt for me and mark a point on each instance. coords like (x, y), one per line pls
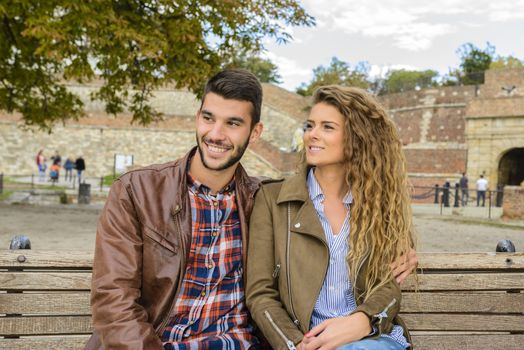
(210, 310)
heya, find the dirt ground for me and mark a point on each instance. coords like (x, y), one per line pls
(73, 227)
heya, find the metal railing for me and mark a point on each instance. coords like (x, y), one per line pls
(21, 182)
(447, 196)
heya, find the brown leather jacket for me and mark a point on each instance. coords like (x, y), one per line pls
(142, 243)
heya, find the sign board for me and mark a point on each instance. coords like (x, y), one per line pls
(122, 161)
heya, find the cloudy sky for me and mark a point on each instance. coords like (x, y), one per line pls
(411, 34)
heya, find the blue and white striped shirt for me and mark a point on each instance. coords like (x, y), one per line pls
(336, 297)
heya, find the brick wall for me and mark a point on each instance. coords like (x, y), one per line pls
(513, 206)
(409, 125)
(425, 97)
(431, 161)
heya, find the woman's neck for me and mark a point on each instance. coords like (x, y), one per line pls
(332, 181)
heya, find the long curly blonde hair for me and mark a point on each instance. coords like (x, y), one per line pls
(381, 222)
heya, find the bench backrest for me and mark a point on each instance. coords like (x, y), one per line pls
(463, 300)
(467, 301)
(44, 296)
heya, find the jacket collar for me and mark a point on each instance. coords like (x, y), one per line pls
(294, 188)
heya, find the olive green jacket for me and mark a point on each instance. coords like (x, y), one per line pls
(285, 272)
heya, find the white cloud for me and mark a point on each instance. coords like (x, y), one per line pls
(411, 24)
(290, 70)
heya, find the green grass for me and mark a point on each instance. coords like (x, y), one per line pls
(5, 195)
(109, 179)
(50, 187)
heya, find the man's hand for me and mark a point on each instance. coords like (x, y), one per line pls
(404, 265)
(335, 332)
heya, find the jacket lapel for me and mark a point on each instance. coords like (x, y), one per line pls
(304, 217)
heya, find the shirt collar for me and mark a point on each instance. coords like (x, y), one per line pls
(196, 186)
(315, 192)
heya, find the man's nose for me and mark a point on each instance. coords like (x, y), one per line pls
(216, 132)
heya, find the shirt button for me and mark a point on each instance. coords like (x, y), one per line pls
(210, 266)
(203, 294)
(214, 234)
(191, 322)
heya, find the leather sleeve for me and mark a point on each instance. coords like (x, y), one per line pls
(117, 277)
(382, 307)
(262, 294)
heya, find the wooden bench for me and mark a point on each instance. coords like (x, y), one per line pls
(464, 301)
(467, 301)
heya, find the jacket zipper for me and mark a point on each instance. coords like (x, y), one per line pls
(378, 318)
(163, 324)
(290, 345)
(276, 272)
(295, 319)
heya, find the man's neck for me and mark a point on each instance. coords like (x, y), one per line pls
(214, 179)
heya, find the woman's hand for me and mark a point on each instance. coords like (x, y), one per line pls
(404, 265)
(336, 332)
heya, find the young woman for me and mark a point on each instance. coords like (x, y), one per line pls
(322, 241)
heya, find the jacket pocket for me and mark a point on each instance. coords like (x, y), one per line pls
(290, 345)
(159, 240)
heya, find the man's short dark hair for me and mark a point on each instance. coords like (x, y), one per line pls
(237, 84)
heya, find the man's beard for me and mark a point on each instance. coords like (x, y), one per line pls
(230, 162)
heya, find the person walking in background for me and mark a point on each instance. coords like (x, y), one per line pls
(54, 173)
(482, 187)
(80, 166)
(68, 166)
(40, 163)
(57, 159)
(464, 189)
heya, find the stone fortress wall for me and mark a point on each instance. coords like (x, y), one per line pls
(445, 131)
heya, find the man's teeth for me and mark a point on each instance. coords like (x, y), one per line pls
(216, 149)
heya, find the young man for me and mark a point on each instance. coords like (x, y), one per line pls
(172, 239)
(464, 189)
(482, 187)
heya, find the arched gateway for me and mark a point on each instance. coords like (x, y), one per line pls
(511, 167)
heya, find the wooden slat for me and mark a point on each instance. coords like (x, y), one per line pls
(468, 281)
(498, 302)
(45, 303)
(45, 343)
(469, 342)
(471, 261)
(459, 322)
(46, 259)
(45, 280)
(40, 325)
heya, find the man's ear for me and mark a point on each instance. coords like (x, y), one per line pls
(256, 132)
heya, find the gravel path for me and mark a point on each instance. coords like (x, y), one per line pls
(73, 227)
